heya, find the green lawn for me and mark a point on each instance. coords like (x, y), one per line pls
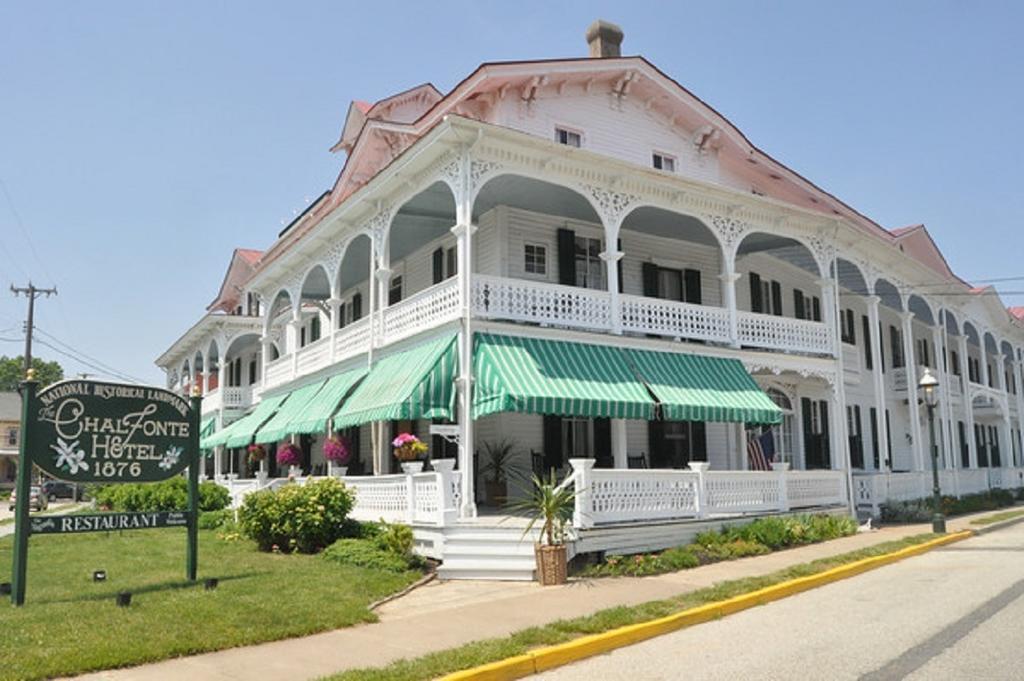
(71, 625)
(997, 517)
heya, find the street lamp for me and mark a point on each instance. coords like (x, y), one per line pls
(928, 385)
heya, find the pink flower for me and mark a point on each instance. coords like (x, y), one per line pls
(404, 439)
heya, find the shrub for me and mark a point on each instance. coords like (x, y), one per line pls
(303, 518)
(394, 538)
(168, 495)
(921, 510)
(212, 520)
(365, 553)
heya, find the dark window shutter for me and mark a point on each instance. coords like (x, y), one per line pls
(888, 437)
(816, 307)
(851, 323)
(302, 337)
(868, 357)
(650, 276)
(810, 439)
(895, 346)
(552, 443)
(357, 306)
(567, 257)
(874, 437)
(776, 299)
(826, 443)
(798, 304)
(699, 441)
(656, 443)
(756, 303)
(691, 280)
(341, 316)
(438, 265)
(881, 348)
(603, 443)
(965, 452)
(618, 265)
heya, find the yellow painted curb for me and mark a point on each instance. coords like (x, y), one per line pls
(549, 657)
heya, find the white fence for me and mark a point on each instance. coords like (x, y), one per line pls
(609, 496)
(783, 333)
(871, 490)
(546, 304)
(671, 318)
(424, 310)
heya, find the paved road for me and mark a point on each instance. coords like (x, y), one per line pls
(954, 613)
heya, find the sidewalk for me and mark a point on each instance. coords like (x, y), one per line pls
(442, 615)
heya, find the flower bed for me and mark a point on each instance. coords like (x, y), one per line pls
(757, 538)
(921, 510)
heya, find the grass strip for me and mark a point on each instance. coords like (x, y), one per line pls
(491, 650)
(997, 517)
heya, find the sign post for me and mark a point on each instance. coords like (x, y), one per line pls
(91, 431)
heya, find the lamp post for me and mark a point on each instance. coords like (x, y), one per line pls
(928, 386)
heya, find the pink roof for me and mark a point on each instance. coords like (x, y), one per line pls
(362, 106)
(1017, 312)
(250, 255)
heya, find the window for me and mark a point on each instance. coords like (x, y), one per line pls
(806, 307)
(535, 259)
(856, 436)
(765, 296)
(955, 361)
(452, 261)
(664, 162)
(923, 356)
(570, 138)
(848, 330)
(576, 439)
(252, 371)
(314, 329)
(784, 431)
(896, 345)
(869, 359)
(395, 292)
(683, 444)
(12, 436)
(589, 266)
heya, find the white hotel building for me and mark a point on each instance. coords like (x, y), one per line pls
(630, 250)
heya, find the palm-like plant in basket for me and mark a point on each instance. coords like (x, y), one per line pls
(552, 505)
(496, 469)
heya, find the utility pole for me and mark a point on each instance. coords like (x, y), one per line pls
(31, 292)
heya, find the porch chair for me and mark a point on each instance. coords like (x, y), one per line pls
(638, 461)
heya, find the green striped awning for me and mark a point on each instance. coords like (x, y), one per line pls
(239, 433)
(701, 388)
(537, 376)
(206, 429)
(314, 417)
(412, 384)
(279, 425)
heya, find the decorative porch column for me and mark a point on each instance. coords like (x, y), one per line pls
(383, 275)
(222, 379)
(206, 373)
(619, 443)
(266, 346)
(910, 365)
(729, 279)
(463, 232)
(830, 317)
(1019, 386)
(292, 334)
(878, 376)
(984, 361)
(218, 464)
(941, 440)
(972, 445)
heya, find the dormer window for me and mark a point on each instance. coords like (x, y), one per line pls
(569, 138)
(664, 162)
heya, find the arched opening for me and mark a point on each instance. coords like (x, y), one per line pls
(991, 367)
(279, 314)
(420, 247)
(242, 359)
(314, 315)
(213, 366)
(352, 281)
(973, 359)
(186, 378)
(922, 325)
(854, 325)
(782, 278)
(198, 373)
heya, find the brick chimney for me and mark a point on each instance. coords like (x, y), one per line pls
(605, 39)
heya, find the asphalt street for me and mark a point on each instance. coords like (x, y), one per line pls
(953, 613)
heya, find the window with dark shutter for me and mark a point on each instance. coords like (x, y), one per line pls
(552, 443)
(438, 259)
(692, 286)
(603, 443)
(869, 359)
(756, 303)
(776, 299)
(656, 443)
(798, 304)
(875, 452)
(816, 309)
(649, 274)
(357, 306)
(566, 257)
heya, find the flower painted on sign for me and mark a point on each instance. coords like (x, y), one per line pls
(69, 457)
(170, 459)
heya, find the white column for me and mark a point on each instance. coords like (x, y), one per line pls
(830, 317)
(984, 361)
(972, 447)
(619, 443)
(383, 276)
(266, 350)
(292, 333)
(334, 304)
(205, 387)
(728, 279)
(463, 232)
(1016, 368)
(914, 409)
(878, 376)
(611, 259)
(942, 409)
(218, 464)
(222, 378)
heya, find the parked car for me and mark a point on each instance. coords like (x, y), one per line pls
(58, 489)
(36, 501)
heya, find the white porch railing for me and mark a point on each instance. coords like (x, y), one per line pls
(419, 499)
(352, 340)
(521, 300)
(236, 397)
(871, 490)
(609, 496)
(783, 333)
(424, 310)
(314, 356)
(279, 371)
(671, 318)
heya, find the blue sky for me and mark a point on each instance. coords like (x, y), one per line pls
(141, 141)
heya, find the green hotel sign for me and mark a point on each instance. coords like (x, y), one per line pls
(87, 431)
(92, 431)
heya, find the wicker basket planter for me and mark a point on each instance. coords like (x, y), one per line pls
(552, 564)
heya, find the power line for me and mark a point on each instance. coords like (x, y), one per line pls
(80, 360)
(95, 363)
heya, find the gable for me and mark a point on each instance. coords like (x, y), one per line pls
(240, 270)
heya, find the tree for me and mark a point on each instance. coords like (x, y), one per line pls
(12, 371)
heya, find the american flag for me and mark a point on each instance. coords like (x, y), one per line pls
(761, 451)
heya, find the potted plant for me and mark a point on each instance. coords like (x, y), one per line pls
(409, 450)
(338, 451)
(552, 506)
(255, 454)
(495, 470)
(290, 455)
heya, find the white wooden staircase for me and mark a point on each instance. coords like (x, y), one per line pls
(477, 551)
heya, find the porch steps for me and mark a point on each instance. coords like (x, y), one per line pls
(497, 553)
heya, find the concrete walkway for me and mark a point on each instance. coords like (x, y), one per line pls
(442, 615)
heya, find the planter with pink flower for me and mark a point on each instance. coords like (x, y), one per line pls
(291, 456)
(409, 451)
(337, 452)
